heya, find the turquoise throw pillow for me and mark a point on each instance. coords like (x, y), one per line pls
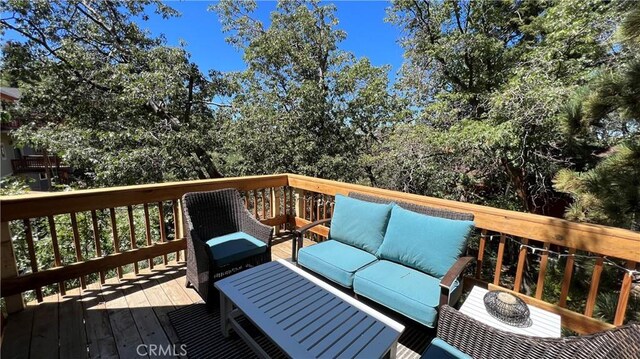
(359, 223)
(428, 244)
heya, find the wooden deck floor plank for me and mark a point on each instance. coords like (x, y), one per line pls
(44, 340)
(144, 316)
(97, 325)
(16, 341)
(180, 279)
(73, 338)
(161, 305)
(125, 332)
(174, 291)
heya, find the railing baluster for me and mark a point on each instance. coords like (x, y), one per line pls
(177, 224)
(255, 204)
(623, 299)
(522, 260)
(543, 271)
(147, 228)
(566, 280)
(163, 232)
(284, 201)
(498, 272)
(481, 245)
(324, 207)
(593, 289)
(264, 203)
(291, 202)
(56, 251)
(114, 233)
(96, 238)
(132, 234)
(274, 207)
(317, 205)
(78, 250)
(32, 254)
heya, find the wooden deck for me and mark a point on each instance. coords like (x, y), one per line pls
(112, 320)
(108, 320)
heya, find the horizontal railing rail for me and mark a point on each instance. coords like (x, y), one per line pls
(91, 232)
(314, 200)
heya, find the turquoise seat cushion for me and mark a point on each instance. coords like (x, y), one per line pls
(335, 260)
(439, 349)
(234, 247)
(426, 243)
(359, 223)
(403, 289)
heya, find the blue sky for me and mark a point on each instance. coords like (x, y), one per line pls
(367, 33)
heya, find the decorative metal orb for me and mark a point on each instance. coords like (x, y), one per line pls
(507, 308)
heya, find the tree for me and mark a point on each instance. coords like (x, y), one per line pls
(490, 81)
(604, 120)
(303, 105)
(117, 104)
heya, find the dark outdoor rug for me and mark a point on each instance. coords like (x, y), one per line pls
(200, 331)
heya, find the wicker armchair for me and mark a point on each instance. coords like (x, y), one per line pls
(209, 216)
(479, 341)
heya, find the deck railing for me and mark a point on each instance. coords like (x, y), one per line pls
(114, 230)
(315, 201)
(36, 163)
(119, 228)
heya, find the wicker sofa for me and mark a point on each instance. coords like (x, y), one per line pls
(460, 336)
(223, 238)
(401, 255)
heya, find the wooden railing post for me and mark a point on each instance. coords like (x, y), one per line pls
(9, 269)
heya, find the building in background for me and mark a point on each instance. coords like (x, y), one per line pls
(38, 169)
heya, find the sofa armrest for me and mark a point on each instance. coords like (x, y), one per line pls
(302, 230)
(299, 232)
(454, 273)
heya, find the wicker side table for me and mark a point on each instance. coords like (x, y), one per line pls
(543, 323)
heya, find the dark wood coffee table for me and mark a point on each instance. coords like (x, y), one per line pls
(304, 316)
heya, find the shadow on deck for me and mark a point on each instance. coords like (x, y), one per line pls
(145, 316)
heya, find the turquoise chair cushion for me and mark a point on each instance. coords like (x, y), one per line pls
(335, 260)
(359, 223)
(439, 349)
(234, 247)
(426, 243)
(403, 289)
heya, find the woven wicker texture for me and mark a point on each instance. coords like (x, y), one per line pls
(212, 214)
(430, 211)
(482, 341)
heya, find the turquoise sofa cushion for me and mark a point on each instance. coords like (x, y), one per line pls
(426, 243)
(359, 223)
(234, 247)
(439, 349)
(335, 260)
(403, 289)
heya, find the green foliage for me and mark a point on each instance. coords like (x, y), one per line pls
(493, 80)
(117, 104)
(604, 122)
(10, 185)
(303, 105)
